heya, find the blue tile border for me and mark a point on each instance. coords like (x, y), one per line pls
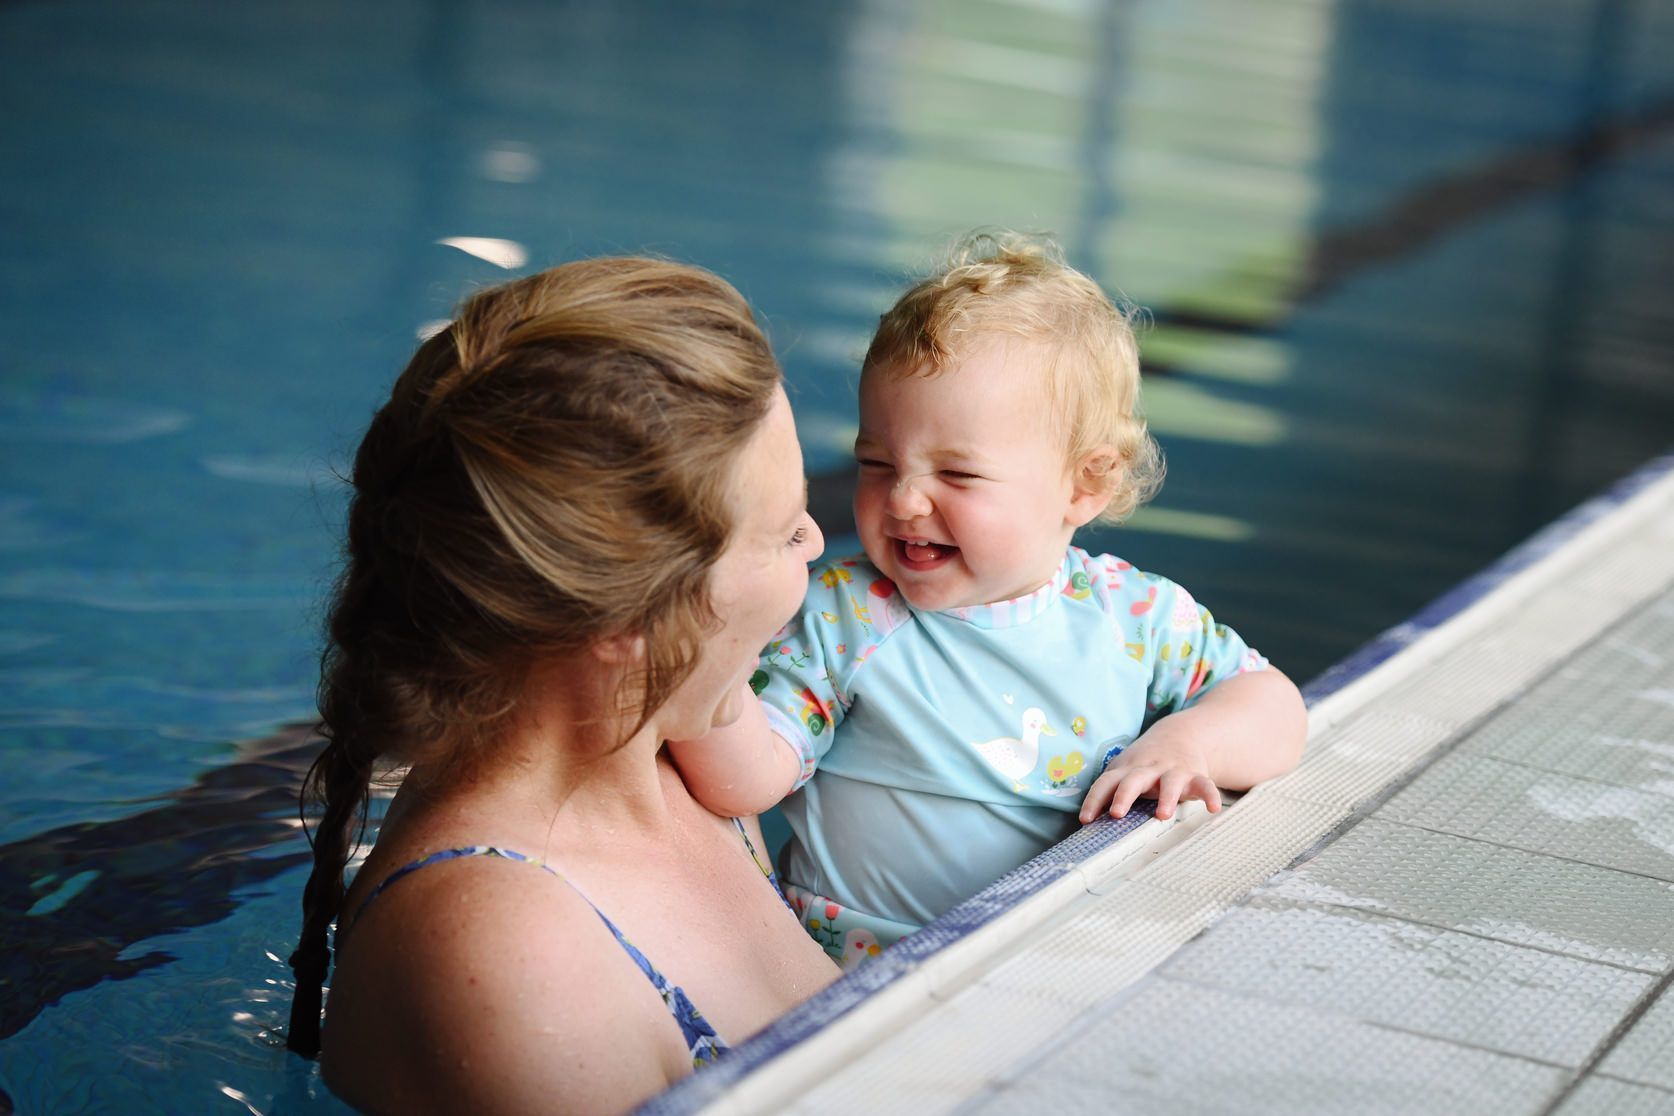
(828, 1006)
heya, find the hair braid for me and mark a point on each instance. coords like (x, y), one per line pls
(339, 781)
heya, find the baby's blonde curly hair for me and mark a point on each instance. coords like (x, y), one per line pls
(1018, 285)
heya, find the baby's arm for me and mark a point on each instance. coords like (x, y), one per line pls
(1247, 728)
(739, 769)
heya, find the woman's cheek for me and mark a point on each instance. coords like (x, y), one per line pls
(796, 588)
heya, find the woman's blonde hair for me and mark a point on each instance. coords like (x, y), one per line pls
(551, 470)
(1018, 285)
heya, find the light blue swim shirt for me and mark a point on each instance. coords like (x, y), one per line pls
(942, 749)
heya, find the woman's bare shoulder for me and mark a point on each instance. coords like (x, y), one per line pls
(491, 985)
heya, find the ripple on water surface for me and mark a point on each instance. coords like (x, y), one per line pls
(84, 419)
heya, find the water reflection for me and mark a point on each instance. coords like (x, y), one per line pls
(1365, 238)
(508, 254)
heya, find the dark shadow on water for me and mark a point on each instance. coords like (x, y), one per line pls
(178, 864)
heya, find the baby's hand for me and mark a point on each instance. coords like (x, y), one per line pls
(1162, 764)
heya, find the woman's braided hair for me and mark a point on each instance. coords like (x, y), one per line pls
(549, 470)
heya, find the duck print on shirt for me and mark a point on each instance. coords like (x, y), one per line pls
(1015, 757)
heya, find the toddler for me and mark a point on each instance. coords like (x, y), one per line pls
(960, 697)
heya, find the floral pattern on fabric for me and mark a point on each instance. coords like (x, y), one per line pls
(849, 937)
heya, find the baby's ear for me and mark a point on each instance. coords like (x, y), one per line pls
(1095, 478)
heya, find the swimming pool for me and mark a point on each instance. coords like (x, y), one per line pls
(1409, 273)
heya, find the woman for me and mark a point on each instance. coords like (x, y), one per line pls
(576, 521)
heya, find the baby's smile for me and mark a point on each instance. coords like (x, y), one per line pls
(916, 554)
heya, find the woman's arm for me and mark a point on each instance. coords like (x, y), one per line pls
(741, 769)
(1248, 728)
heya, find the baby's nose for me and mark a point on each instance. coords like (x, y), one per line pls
(907, 499)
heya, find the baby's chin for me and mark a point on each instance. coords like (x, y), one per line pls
(922, 595)
(929, 597)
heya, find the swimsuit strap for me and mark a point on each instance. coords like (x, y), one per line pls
(701, 1040)
(766, 868)
(437, 858)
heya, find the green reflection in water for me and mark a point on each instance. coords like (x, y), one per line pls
(1245, 360)
(1191, 525)
(1177, 408)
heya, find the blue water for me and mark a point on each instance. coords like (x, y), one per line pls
(1410, 272)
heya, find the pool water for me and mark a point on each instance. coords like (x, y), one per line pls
(1408, 270)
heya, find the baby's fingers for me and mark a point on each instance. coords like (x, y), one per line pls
(1135, 783)
(1204, 787)
(1169, 789)
(1176, 786)
(1099, 795)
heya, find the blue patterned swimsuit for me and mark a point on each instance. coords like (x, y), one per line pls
(701, 1040)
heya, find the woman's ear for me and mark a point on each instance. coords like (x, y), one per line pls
(1093, 482)
(621, 650)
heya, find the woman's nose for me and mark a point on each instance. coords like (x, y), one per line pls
(906, 500)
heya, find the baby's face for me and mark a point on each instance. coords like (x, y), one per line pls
(965, 495)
